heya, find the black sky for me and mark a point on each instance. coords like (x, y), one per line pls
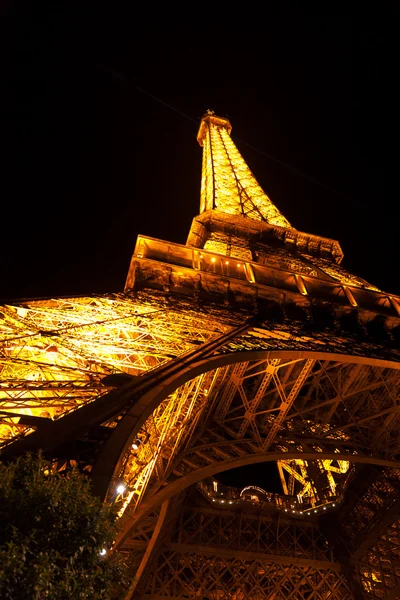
(99, 140)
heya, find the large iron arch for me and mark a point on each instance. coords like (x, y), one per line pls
(111, 457)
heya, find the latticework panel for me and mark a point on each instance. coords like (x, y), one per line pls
(55, 355)
(181, 575)
(227, 182)
(252, 533)
(379, 569)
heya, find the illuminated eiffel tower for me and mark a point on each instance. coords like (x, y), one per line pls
(248, 344)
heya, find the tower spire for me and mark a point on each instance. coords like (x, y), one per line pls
(227, 183)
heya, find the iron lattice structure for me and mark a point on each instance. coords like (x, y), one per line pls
(248, 344)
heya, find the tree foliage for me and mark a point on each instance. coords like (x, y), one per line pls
(52, 531)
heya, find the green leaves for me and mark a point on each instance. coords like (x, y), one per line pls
(51, 533)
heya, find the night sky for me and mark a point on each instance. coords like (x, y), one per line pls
(99, 141)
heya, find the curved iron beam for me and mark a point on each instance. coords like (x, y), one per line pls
(110, 459)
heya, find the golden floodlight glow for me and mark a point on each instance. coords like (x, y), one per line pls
(227, 184)
(57, 354)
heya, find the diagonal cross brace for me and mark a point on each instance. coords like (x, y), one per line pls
(287, 402)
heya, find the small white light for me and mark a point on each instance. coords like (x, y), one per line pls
(222, 500)
(315, 511)
(230, 501)
(103, 552)
(227, 262)
(301, 512)
(121, 488)
(293, 511)
(333, 504)
(213, 499)
(213, 259)
(239, 265)
(136, 443)
(285, 509)
(324, 507)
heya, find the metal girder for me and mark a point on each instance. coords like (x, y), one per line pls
(238, 371)
(287, 401)
(282, 478)
(254, 403)
(209, 550)
(214, 576)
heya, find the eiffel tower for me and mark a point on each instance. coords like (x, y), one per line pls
(248, 344)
